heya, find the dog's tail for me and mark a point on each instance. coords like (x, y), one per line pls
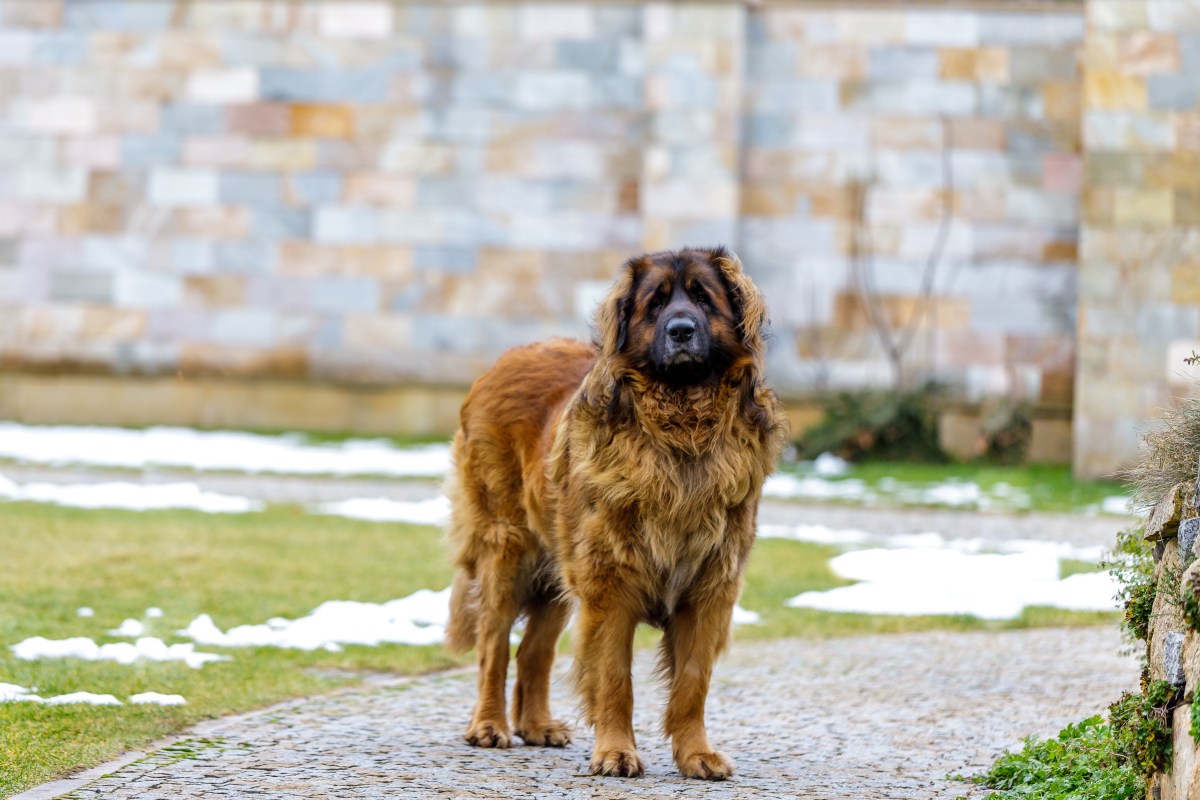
(464, 613)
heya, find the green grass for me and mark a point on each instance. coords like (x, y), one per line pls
(1042, 488)
(249, 568)
(238, 568)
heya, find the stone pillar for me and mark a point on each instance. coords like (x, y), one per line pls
(1139, 272)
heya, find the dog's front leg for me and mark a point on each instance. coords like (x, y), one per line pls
(695, 635)
(603, 664)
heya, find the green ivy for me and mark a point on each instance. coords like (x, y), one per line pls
(883, 425)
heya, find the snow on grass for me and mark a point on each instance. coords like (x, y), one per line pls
(216, 450)
(146, 648)
(434, 511)
(84, 698)
(129, 496)
(158, 699)
(927, 574)
(811, 487)
(419, 618)
(11, 693)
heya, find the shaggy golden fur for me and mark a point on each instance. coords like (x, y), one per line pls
(622, 479)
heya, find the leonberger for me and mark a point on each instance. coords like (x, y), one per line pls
(621, 480)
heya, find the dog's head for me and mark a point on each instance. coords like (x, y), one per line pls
(684, 317)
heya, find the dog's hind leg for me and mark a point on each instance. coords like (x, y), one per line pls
(535, 657)
(497, 572)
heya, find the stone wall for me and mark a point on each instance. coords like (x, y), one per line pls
(1139, 282)
(1173, 640)
(378, 191)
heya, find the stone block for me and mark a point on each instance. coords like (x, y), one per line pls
(323, 120)
(321, 187)
(1114, 90)
(282, 154)
(445, 259)
(142, 152)
(118, 15)
(211, 291)
(356, 20)
(259, 119)
(66, 116)
(1050, 442)
(249, 188)
(254, 256)
(192, 255)
(337, 85)
(134, 288)
(279, 223)
(53, 186)
(1173, 92)
(1118, 15)
(346, 225)
(902, 63)
(221, 86)
(1164, 518)
(346, 295)
(1173, 15)
(183, 187)
(961, 435)
(1187, 533)
(1173, 658)
(188, 118)
(229, 152)
(81, 287)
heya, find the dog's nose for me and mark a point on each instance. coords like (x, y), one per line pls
(681, 330)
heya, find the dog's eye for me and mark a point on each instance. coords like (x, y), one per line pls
(701, 297)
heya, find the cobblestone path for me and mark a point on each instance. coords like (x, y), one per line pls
(867, 717)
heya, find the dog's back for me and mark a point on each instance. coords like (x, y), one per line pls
(506, 429)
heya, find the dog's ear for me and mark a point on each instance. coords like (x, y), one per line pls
(749, 307)
(612, 317)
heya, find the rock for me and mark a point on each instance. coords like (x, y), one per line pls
(1182, 776)
(1173, 658)
(1187, 533)
(1167, 615)
(1164, 519)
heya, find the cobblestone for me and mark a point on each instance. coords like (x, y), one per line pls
(868, 717)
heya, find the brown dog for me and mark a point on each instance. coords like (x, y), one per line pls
(623, 478)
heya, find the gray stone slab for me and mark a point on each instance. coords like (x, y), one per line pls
(1187, 533)
(1173, 658)
(152, 150)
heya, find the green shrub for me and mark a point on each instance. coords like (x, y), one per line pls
(1081, 762)
(1132, 567)
(1141, 727)
(1007, 431)
(885, 425)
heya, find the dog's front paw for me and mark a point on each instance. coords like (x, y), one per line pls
(709, 766)
(488, 734)
(551, 733)
(618, 764)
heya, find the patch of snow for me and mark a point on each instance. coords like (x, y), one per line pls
(960, 578)
(11, 693)
(146, 648)
(87, 698)
(158, 699)
(419, 618)
(1117, 505)
(130, 627)
(433, 511)
(85, 611)
(216, 450)
(782, 484)
(154, 612)
(742, 616)
(828, 465)
(131, 496)
(817, 534)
